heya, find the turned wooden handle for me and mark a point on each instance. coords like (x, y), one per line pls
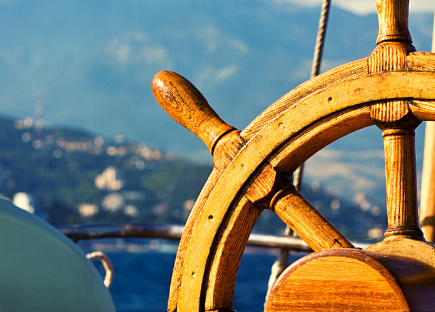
(401, 178)
(306, 221)
(393, 20)
(183, 102)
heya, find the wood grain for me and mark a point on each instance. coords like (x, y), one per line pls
(344, 72)
(184, 103)
(421, 61)
(396, 120)
(389, 56)
(427, 201)
(427, 198)
(392, 88)
(401, 178)
(227, 149)
(307, 222)
(417, 112)
(398, 123)
(312, 139)
(336, 281)
(185, 239)
(393, 20)
(227, 255)
(422, 110)
(266, 185)
(417, 249)
(273, 190)
(393, 114)
(354, 280)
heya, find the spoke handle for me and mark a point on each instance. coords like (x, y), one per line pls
(393, 21)
(184, 103)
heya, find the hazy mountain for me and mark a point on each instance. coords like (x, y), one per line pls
(92, 62)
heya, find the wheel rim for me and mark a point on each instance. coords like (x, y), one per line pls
(254, 156)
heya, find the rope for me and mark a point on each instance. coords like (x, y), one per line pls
(281, 263)
(315, 69)
(320, 40)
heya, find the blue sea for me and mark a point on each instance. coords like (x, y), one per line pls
(143, 269)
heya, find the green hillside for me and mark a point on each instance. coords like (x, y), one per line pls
(74, 176)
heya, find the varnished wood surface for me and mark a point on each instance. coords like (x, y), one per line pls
(389, 56)
(393, 20)
(422, 110)
(307, 222)
(273, 190)
(183, 102)
(421, 250)
(396, 120)
(185, 239)
(351, 70)
(427, 198)
(421, 61)
(427, 202)
(227, 255)
(401, 177)
(181, 246)
(313, 138)
(415, 61)
(354, 280)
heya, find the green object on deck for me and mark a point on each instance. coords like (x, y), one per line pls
(42, 270)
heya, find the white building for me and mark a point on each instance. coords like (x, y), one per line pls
(108, 180)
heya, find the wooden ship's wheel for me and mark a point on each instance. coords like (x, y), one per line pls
(394, 89)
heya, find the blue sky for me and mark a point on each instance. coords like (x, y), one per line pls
(363, 7)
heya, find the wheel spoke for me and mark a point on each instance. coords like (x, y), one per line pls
(306, 221)
(396, 120)
(275, 191)
(400, 174)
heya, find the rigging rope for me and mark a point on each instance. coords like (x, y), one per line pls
(320, 40)
(315, 69)
(281, 263)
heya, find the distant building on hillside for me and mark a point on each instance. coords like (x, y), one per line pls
(24, 201)
(74, 146)
(28, 203)
(113, 202)
(87, 210)
(108, 180)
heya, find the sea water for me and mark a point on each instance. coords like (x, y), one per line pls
(142, 276)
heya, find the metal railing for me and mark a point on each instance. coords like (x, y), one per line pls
(79, 232)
